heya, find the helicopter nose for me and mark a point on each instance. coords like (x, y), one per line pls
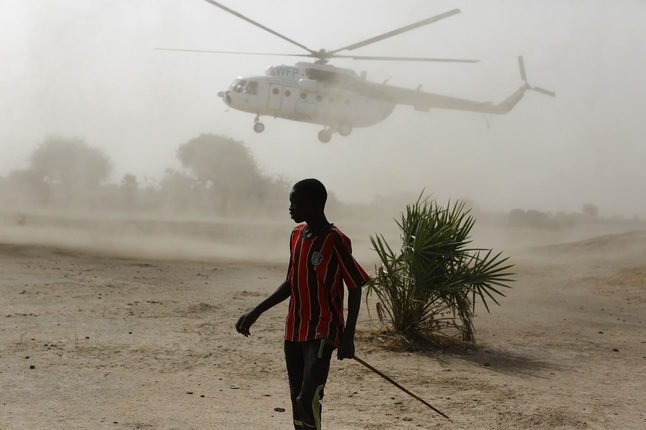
(225, 96)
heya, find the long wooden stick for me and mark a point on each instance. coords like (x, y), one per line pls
(387, 378)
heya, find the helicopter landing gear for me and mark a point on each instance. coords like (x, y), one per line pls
(345, 129)
(258, 127)
(325, 135)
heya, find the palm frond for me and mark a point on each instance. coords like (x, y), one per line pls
(435, 271)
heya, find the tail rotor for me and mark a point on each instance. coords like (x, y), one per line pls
(523, 75)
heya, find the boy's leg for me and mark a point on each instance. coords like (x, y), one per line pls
(314, 368)
(295, 363)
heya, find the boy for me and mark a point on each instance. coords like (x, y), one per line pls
(320, 262)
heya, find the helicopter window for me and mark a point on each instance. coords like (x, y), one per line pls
(288, 93)
(275, 91)
(319, 98)
(303, 96)
(238, 86)
(252, 88)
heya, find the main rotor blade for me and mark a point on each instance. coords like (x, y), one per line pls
(257, 24)
(521, 64)
(397, 31)
(232, 52)
(351, 57)
(544, 91)
(441, 60)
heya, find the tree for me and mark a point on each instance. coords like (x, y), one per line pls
(217, 158)
(24, 187)
(432, 284)
(225, 168)
(129, 187)
(70, 165)
(179, 191)
(590, 211)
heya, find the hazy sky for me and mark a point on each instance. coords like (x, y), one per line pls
(88, 68)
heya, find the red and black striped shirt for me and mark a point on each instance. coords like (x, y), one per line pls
(318, 267)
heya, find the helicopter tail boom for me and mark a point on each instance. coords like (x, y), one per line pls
(423, 101)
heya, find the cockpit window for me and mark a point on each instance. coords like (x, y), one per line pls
(238, 85)
(252, 88)
(242, 86)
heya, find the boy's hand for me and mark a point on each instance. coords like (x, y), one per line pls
(246, 321)
(346, 347)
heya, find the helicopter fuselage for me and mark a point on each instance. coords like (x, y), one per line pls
(338, 98)
(287, 92)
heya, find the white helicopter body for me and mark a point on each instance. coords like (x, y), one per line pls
(287, 92)
(338, 98)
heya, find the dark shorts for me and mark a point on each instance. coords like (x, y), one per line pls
(308, 364)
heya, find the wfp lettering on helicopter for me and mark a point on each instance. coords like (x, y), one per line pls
(283, 71)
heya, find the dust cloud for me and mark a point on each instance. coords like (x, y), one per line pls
(206, 208)
(220, 204)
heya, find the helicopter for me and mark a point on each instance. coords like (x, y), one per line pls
(338, 98)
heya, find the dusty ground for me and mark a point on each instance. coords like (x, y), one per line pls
(142, 340)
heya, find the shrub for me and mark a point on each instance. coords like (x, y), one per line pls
(432, 284)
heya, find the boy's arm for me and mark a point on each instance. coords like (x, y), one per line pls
(346, 344)
(278, 296)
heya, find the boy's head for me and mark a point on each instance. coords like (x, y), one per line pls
(307, 200)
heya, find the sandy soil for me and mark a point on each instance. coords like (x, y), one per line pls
(95, 339)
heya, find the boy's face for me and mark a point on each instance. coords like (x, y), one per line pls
(301, 208)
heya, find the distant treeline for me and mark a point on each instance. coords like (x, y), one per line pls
(219, 177)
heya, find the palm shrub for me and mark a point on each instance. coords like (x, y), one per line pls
(432, 284)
